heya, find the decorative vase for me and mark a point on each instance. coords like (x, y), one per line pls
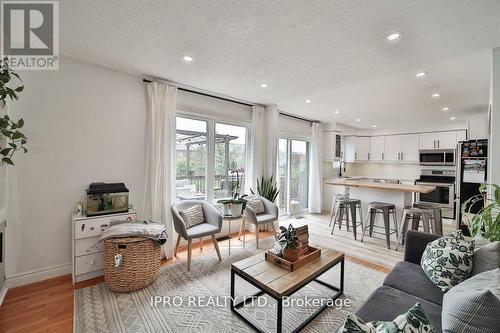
(291, 254)
(236, 209)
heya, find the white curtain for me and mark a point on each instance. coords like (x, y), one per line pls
(315, 167)
(160, 153)
(271, 143)
(256, 164)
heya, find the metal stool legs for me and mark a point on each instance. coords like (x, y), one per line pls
(387, 210)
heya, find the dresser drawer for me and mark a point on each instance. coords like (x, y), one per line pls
(86, 246)
(95, 226)
(89, 263)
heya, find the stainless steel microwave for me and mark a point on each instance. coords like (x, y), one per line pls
(437, 157)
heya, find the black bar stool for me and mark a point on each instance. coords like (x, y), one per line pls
(346, 205)
(386, 209)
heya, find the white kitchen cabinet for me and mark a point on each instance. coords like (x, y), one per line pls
(332, 143)
(438, 140)
(356, 148)
(409, 148)
(427, 140)
(349, 148)
(401, 148)
(328, 144)
(447, 140)
(461, 135)
(377, 148)
(392, 148)
(362, 148)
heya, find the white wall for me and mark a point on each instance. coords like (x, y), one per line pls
(84, 124)
(494, 143)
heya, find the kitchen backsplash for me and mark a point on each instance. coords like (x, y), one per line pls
(382, 170)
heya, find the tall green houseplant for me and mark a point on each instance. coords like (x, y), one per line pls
(11, 138)
(267, 188)
(486, 222)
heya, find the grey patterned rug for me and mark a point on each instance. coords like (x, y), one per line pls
(196, 301)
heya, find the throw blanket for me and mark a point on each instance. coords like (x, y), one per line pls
(155, 231)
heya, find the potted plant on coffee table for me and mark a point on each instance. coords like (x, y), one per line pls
(290, 243)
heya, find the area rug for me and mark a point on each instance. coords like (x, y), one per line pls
(197, 301)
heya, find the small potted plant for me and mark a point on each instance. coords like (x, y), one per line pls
(486, 222)
(289, 242)
(236, 204)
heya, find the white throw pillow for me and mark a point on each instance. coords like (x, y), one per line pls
(448, 260)
(255, 202)
(192, 216)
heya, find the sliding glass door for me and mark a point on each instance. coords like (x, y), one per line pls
(293, 171)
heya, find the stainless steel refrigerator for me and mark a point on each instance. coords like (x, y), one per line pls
(472, 164)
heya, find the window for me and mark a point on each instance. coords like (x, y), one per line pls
(191, 159)
(224, 147)
(230, 159)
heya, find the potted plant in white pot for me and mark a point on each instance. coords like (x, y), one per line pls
(235, 205)
(486, 222)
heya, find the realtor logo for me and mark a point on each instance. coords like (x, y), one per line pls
(30, 34)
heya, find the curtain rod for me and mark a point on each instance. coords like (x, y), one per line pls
(205, 94)
(299, 118)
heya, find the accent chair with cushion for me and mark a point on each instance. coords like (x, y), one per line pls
(260, 211)
(195, 219)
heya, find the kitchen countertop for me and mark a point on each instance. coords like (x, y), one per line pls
(364, 183)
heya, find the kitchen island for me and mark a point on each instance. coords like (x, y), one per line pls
(368, 190)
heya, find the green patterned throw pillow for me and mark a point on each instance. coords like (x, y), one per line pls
(448, 260)
(413, 321)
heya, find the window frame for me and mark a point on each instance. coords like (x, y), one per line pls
(210, 167)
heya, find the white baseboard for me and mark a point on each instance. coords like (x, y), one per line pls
(3, 292)
(28, 277)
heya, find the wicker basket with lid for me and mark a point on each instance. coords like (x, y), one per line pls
(130, 263)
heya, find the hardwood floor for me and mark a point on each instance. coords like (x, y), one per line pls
(47, 306)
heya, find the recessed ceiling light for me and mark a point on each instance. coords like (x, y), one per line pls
(420, 74)
(445, 108)
(187, 58)
(435, 95)
(263, 85)
(308, 101)
(452, 118)
(358, 120)
(393, 37)
(337, 111)
(374, 126)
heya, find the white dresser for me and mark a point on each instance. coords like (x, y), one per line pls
(86, 252)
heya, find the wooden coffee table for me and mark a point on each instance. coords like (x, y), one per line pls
(279, 283)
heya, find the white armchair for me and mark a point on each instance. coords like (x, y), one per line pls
(270, 214)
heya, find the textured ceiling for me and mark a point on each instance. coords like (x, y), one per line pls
(332, 52)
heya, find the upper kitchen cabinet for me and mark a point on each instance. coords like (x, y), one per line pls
(332, 144)
(377, 148)
(362, 152)
(401, 148)
(392, 148)
(438, 140)
(356, 148)
(409, 148)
